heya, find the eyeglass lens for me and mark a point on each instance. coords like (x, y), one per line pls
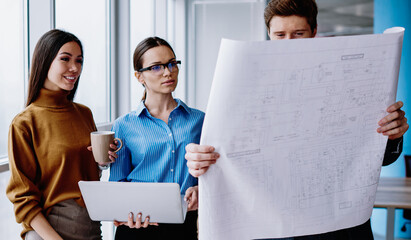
(159, 69)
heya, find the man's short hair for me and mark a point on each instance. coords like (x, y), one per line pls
(285, 8)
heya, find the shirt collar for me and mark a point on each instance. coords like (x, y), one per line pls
(180, 104)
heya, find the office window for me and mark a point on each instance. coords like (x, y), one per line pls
(89, 21)
(12, 66)
(209, 22)
(12, 96)
(141, 26)
(351, 17)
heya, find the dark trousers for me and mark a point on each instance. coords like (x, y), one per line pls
(186, 231)
(361, 232)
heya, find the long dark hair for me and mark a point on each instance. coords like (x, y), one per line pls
(46, 50)
(143, 47)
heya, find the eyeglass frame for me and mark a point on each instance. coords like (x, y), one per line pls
(165, 65)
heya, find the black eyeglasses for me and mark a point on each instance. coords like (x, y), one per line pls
(158, 69)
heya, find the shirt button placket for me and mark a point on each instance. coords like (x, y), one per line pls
(172, 151)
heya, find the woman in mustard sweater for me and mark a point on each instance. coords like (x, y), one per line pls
(48, 146)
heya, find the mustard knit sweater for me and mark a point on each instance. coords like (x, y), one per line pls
(48, 155)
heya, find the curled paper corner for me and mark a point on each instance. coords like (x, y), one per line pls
(394, 30)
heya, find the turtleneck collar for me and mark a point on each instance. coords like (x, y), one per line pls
(55, 99)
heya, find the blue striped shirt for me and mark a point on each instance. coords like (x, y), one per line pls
(153, 151)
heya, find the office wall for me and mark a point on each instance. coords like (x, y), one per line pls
(390, 13)
(209, 22)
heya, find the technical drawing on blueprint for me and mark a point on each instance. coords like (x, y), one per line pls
(295, 125)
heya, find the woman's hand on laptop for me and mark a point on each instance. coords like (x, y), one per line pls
(138, 223)
(191, 198)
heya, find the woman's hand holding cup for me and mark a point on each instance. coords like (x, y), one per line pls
(104, 147)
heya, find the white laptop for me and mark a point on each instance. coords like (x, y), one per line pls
(108, 201)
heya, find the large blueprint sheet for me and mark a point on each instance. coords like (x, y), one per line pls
(295, 124)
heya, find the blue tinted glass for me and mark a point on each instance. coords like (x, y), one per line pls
(171, 65)
(157, 68)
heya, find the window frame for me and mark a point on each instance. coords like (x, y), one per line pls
(4, 159)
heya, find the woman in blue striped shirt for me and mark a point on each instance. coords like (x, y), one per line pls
(154, 138)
